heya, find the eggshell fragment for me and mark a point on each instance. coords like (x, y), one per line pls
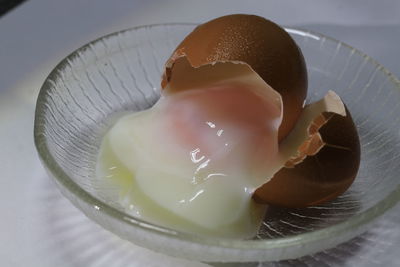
(263, 45)
(324, 165)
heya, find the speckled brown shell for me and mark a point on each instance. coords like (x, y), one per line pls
(266, 47)
(326, 173)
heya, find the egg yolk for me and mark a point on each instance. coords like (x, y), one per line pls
(218, 123)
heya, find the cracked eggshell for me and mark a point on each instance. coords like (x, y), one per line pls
(267, 48)
(324, 165)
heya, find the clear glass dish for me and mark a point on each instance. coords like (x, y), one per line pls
(121, 72)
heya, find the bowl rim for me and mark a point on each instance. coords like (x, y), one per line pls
(63, 179)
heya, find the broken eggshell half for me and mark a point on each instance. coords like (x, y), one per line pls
(325, 160)
(260, 43)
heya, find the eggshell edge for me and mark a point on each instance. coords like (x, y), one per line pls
(310, 176)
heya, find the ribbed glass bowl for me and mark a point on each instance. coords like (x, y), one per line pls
(121, 72)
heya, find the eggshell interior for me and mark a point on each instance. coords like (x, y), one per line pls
(323, 157)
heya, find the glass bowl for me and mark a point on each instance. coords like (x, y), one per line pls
(121, 72)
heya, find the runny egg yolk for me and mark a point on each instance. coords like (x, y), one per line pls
(193, 160)
(218, 126)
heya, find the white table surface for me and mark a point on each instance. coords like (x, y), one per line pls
(38, 226)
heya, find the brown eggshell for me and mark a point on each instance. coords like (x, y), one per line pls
(260, 43)
(325, 165)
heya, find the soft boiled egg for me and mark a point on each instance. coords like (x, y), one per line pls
(199, 154)
(230, 135)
